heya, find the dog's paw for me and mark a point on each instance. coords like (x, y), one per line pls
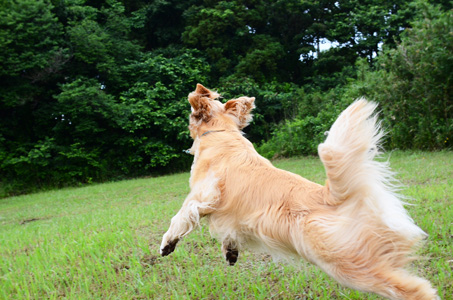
(169, 248)
(232, 256)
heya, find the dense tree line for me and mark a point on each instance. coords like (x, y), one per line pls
(96, 90)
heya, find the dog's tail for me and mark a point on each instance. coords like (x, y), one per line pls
(358, 183)
(367, 238)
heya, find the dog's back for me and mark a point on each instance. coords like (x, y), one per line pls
(259, 203)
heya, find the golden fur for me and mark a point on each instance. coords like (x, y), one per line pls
(355, 227)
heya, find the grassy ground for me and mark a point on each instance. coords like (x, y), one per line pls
(102, 242)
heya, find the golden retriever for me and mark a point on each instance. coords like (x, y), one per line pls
(355, 227)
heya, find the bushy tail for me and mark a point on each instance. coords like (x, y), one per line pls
(368, 239)
(355, 179)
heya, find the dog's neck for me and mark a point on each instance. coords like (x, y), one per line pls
(196, 142)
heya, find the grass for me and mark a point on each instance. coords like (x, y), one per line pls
(102, 242)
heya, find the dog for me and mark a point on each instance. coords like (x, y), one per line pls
(355, 227)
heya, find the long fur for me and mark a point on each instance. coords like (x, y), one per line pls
(355, 227)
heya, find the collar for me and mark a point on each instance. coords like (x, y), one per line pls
(208, 132)
(189, 151)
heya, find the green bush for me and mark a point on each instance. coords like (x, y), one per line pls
(303, 134)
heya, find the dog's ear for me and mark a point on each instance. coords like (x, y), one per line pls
(200, 101)
(201, 90)
(241, 108)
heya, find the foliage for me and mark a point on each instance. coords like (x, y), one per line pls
(303, 134)
(29, 51)
(156, 110)
(413, 83)
(96, 90)
(422, 68)
(144, 130)
(275, 102)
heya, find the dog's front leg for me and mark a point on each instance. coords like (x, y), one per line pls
(197, 204)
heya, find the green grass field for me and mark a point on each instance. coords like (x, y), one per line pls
(102, 242)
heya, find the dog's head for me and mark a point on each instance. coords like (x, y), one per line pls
(210, 114)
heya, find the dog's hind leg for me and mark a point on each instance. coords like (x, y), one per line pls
(200, 202)
(230, 250)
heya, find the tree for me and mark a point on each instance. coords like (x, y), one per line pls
(421, 67)
(88, 104)
(363, 26)
(93, 90)
(159, 24)
(413, 82)
(31, 59)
